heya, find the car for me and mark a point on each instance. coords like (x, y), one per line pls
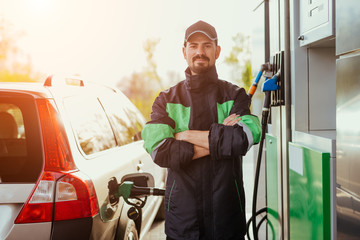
(62, 143)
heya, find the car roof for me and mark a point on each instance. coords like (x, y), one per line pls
(36, 89)
(46, 90)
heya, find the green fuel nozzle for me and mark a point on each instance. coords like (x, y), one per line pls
(124, 190)
(128, 190)
(132, 195)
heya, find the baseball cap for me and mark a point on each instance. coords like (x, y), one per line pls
(201, 27)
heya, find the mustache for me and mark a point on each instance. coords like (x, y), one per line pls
(200, 57)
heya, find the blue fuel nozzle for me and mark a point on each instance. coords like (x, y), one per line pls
(270, 84)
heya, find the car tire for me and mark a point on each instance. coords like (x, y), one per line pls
(161, 212)
(131, 231)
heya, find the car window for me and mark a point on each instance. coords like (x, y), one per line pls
(126, 119)
(12, 135)
(90, 123)
(137, 120)
(20, 143)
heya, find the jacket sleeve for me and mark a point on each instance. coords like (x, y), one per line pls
(234, 141)
(159, 141)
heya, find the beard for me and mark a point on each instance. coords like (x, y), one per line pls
(202, 67)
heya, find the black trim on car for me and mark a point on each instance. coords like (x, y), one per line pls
(72, 229)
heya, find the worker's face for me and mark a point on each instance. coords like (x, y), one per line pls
(200, 53)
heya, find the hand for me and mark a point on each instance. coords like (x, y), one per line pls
(196, 137)
(200, 152)
(232, 120)
(181, 136)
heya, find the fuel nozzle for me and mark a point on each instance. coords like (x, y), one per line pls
(128, 190)
(269, 86)
(266, 67)
(133, 195)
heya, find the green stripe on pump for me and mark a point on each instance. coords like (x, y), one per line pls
(310, 196)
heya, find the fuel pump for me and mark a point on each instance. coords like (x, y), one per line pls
(269, 86)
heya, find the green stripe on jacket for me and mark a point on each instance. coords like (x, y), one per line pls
(180, 114)
(154, 133)
(223, 110)
(252, 122)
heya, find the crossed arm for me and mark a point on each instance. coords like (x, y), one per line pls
(200, 139)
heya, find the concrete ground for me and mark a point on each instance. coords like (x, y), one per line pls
(157, 230)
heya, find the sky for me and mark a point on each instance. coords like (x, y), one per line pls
(102, 40)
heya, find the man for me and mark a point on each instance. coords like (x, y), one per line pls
(199, 130)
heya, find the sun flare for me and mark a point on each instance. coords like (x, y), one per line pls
(39, 5)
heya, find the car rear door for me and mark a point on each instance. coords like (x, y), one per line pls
(128, 123)
(98, 154)
(21, 161)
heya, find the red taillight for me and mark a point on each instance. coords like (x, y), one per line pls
(39, 207)
(75, 197)
(61, 186)
(56, 147)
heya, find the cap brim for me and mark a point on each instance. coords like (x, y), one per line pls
(213, 39)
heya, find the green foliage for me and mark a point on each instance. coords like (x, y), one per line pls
(247, 75)
(7, 76)
(12, 67)
(151, 69)
(239, 59)
(141, 90)
(143, 87)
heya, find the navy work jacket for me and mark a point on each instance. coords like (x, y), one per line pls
(204, 197)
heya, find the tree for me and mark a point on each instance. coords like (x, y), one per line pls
(151, 69)
(143, 87)
(140, 90)
(240, 60)
(14, 67)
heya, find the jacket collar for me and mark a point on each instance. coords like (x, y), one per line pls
(201, 81)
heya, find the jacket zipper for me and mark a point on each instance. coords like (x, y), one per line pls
(172, 187)
(211, 200)
(237, 189)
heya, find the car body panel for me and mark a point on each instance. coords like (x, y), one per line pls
(15, 193)
(37, 231)
(99, 167)
(12, 197)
